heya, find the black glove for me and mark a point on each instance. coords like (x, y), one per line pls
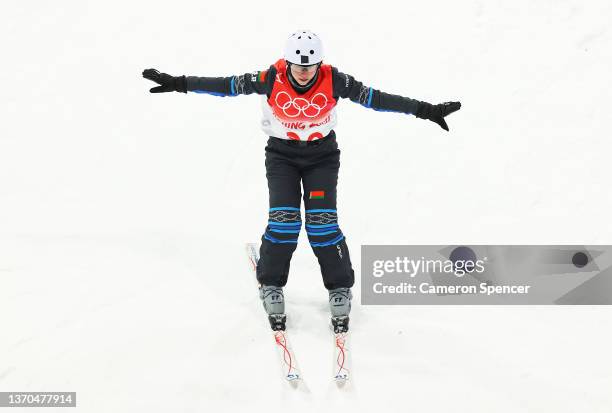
(168, 83)
(436, 113)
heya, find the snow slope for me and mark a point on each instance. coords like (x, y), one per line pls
(123, 215)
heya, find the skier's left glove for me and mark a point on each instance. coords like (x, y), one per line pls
(436, 113)
(167, 83)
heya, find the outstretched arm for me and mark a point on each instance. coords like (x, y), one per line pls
(256, 82)
(345, 86)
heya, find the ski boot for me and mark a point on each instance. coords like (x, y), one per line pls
(274, 303)
(340, 306)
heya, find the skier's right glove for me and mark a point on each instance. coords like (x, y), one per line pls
(436, 113)
(167, 83)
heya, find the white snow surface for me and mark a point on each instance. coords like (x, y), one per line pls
(123, 215)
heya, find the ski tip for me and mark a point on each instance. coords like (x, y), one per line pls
(341, 380)
(293, 377)
(251, 248)
(252, 255)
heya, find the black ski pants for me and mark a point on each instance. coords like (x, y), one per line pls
(315, 164)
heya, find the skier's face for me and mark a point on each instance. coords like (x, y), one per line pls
(303, 74)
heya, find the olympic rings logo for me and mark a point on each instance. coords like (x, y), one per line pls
(294, 107)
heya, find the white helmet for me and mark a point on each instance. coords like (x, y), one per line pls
(304, 48)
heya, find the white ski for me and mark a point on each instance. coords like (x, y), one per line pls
(341, 358)
(289, 366)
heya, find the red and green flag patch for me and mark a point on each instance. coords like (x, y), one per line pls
(262, 76)
(317, 194)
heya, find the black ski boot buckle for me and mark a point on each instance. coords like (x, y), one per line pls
(340, 324)
(277, 321)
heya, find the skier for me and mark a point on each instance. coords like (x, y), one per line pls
(299, 98)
